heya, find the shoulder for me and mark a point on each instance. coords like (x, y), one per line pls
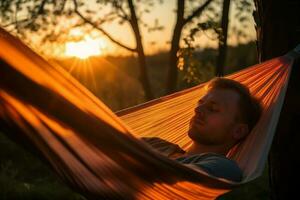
(157, 142)
(162, 146)
(214, 164)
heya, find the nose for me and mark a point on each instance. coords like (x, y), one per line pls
(200, 110)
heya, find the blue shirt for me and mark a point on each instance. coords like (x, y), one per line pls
(215, 164)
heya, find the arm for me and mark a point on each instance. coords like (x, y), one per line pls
(214, 164)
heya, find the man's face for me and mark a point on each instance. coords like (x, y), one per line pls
(215, 117)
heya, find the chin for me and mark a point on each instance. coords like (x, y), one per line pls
(192, 133)
(197, 137)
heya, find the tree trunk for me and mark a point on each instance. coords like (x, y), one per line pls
(278, 32)
(141, 55)
(175, 43)
(172, 70)
(223, 39)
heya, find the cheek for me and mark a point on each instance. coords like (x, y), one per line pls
(220, 123)
(215, 120)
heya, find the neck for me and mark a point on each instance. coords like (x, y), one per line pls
(197, 148)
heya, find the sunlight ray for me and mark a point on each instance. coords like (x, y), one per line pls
(73, 65)
(91, 70)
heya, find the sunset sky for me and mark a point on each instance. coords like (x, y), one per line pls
(159, 40)
(153, 42)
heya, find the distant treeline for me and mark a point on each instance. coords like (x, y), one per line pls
(114, 79)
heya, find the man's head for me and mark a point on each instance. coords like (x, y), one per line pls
(225, 114)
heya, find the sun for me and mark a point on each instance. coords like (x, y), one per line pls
(85, 48)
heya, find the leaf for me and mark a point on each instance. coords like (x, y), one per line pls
(243, 18)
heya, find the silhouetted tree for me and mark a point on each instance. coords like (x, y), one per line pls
(212, 22)
(278, 28)
(223, 39)
(181, 21)
(41, 14)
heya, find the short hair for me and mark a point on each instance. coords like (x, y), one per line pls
(249, 107)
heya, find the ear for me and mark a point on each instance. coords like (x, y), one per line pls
(240, 131)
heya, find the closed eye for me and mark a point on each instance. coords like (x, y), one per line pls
(211, 105)
(200, 102)
(213, 108)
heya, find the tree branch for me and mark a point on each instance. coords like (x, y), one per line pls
(61, 6)
(31, 19)
(123, 14)
(101, 30)
(41, 8)
(197, 12)
(15, 22)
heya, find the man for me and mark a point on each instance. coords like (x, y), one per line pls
(224, 116)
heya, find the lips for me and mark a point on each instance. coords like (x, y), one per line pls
(197, 120)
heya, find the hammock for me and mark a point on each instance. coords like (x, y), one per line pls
(98, 152)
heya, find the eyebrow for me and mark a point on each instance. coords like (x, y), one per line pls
(214, 103)
(211, 101)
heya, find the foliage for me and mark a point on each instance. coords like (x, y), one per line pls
(23, 176)
(188, 64)
(192, 71)
(243, 11)
(52, 21)
(115, 78)
(197, 66)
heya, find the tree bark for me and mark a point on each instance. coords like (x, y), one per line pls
(278, 32)
(175, 43)
(140, 51)
(223, 39)
(172, 70)
(144, 79)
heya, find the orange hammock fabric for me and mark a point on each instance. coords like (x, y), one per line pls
(99, 153)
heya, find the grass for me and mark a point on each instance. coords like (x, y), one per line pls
(23, 176)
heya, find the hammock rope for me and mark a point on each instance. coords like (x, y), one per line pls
(98, 153)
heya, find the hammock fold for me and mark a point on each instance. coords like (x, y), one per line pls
(267, 81)
(98, 152)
